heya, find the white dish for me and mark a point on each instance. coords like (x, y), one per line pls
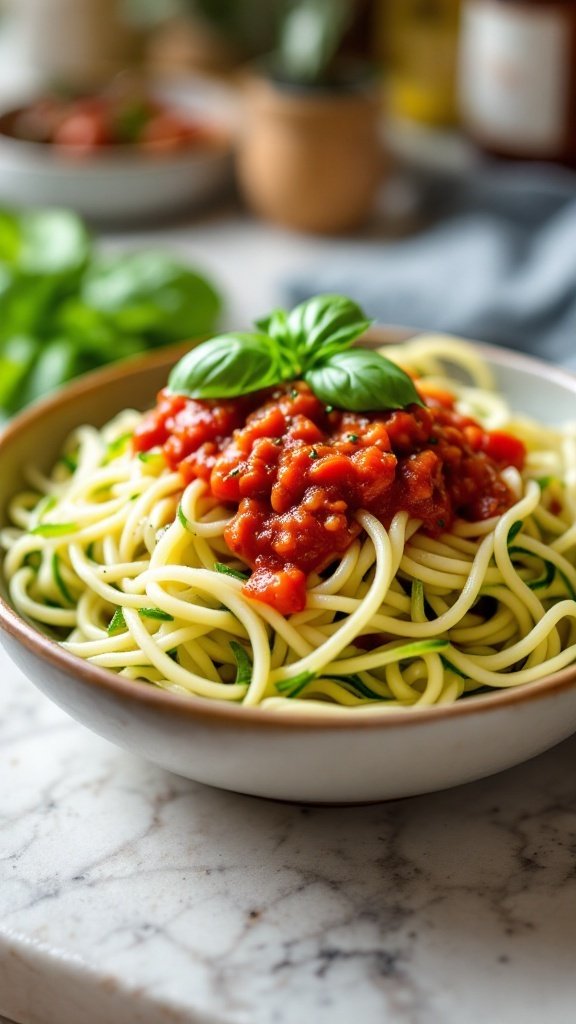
(331, 758)
(126, 184)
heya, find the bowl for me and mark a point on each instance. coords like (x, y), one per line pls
(326, 758)
(123, 184)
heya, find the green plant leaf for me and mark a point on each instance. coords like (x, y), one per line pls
(362, 380)
(17, 356)
(65, 312)
(151, 293)
(56, 363)
(311, 35)
(323, 325)
(275, 324)
(227, 366)
(52, 242)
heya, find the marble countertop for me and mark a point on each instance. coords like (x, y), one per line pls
(131, 896)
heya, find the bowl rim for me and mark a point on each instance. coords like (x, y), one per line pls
(227, 713)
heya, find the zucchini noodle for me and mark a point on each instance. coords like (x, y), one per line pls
(129, 570)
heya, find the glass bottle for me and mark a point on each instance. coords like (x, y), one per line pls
(518, 77)
(419, 43)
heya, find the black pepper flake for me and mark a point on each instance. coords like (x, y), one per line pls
(235, 472)
(313, 454)
(441, 523)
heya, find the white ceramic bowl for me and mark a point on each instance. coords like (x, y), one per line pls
(330, 759)
(124, 184)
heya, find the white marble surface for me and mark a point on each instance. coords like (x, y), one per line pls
(131, 896)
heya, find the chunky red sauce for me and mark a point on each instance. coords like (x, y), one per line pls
(297, 471)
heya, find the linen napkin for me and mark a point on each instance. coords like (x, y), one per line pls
(497, 263)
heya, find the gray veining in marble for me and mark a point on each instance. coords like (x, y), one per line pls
(128, 894)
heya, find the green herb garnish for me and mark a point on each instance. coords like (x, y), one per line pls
(59, 580)
(293, 687)
(312, 342)
(243, 664)
(117, 447)
(514, 531)
(183, 520)
(358, 687)
(234, 573)
(155, 613)
(53, 529)
(117, 623)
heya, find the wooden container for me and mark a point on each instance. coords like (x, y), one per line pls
(310, 159)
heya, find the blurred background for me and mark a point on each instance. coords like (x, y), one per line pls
(417, 155)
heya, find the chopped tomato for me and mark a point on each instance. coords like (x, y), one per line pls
(504, 449)
(85, 130)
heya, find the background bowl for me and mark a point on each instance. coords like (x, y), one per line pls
(125, 183)
(344, 758)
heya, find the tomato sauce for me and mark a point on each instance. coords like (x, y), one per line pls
(296, 471)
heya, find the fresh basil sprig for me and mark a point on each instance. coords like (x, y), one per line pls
(361, 379)
(312, 343)
(227, 366)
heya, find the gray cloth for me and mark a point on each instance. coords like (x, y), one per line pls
(497, 264)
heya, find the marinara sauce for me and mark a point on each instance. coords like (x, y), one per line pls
(296, 471)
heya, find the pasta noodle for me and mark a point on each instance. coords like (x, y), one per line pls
(131, 572)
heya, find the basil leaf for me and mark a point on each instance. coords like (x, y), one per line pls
(53, 242)
(323, 325)
(16, 360)
(361, 380)
(66, 309)
(151, 294)
(56, 363)
(275, 324)
(227, 366)
(276, 327)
